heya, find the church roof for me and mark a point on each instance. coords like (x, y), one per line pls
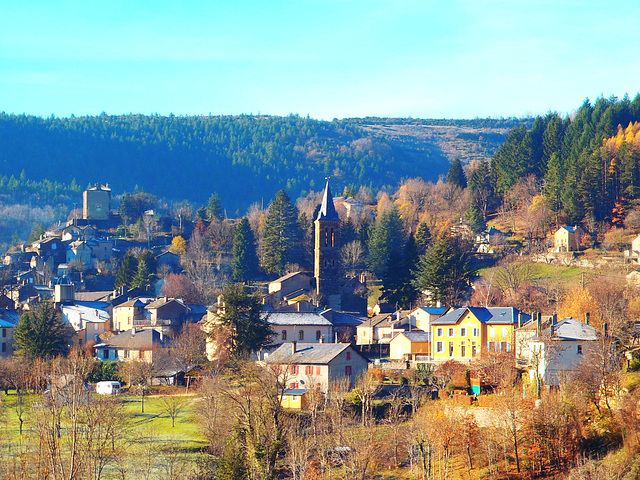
(327, 209)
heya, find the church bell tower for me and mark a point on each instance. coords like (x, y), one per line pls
(327, 252)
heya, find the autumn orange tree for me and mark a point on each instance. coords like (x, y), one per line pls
(577, 303)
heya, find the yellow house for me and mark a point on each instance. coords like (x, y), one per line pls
(414, 346)
(468, 333)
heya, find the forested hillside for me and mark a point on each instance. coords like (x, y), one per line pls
(244, 158)
(588, 164)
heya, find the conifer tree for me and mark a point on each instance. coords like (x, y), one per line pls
(41, 333)
(126, 271)
(244, 264)
(444, 271)
(423, 237)
(282, 236)
(214, 208)
(456, 175)
(386, 245)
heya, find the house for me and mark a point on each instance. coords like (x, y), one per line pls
(289, 288)
(560, 348)
(345, 324)
(49, 247)
(79, 251)
(464, 334)
(295, 398)
(9, 319)
(166, 312)
(88, 319)
(169, 259)
(634, 252)
(410, 346)
(317, 365)
(382, 328)
(101, 248)
(132, 345)
(127, 313)
(421, 317)
(309, 327)
(567, 239)
(490, 238)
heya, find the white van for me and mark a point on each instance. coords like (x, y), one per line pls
(108, 388)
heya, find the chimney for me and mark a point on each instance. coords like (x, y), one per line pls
(293, 347)
(536, 315)
(553, 328)
(554, 318)
(586, 318)
(133, 332)
(520, 317)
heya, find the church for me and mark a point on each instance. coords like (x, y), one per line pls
(329, 288)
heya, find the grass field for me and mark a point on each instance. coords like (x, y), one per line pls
(152, 447)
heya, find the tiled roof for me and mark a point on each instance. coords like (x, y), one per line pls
(145, 338)
(434, 310)
(296, 318)
(417, 337)
(489, 315)
(307, 353)
(572, 329)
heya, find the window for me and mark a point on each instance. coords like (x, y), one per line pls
(463, 350)
(126, 354)
(439, 347)
(105, 354)
(317, 370)
(579, 349)
(347, 370)
(308, 370)
(492, 331)
(284, 335)
(476, 332)
(474, 349)
(4, 333)
(463, 332)
(451, 349)
(318, 335)
(504, 346)
(505, 331)
(4, 347)
(294, 369)
(451, 332)
(439, 332)
(301, 335)
(491, 346)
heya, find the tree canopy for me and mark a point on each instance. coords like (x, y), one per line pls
(41, 333)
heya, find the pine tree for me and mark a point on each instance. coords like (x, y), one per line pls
(41, 333)
(214, 208)
(244, 263)
(398, 288)
(456, 174)
(282, 237)
(386, 246)
(423, 237)
(241, 320)
(126, 271)
(444, 271)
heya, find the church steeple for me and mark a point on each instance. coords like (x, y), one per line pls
(327, 209)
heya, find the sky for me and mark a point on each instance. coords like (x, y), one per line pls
(323, 58)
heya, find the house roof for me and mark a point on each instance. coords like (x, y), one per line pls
(488, 315)
(347, 319)
(569, 228)
(93, 296)
(295, 391)
(416, 337)
(161, 301)
(327, 210)
(88, 314)
(297, 318)
(9, 318)
(307, 353)
(288, 276)
(135, 339)
(134, 302)
(572, 329)
(434, 310)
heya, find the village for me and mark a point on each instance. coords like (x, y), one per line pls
(315, 340)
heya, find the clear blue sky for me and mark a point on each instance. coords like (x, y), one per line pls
(324, 58)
